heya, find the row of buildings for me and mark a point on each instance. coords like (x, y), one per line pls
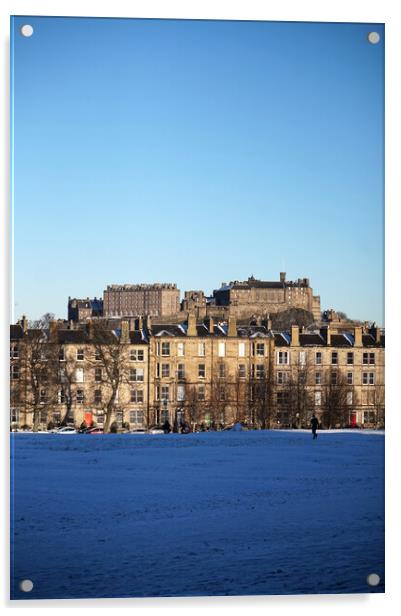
(206, 372)
(241, 299)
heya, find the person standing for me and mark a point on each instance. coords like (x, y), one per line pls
(314, 425)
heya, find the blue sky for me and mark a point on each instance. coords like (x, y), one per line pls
(197, 152)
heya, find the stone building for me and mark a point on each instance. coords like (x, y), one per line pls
(140, 299)
(254, 296)
(208, 373)
(84, 309)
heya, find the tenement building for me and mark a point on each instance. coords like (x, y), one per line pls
(208, 373)
(139, 299)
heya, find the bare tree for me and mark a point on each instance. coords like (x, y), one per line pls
(110, 348)
(35, 389)
(335, 402)
(262, 395)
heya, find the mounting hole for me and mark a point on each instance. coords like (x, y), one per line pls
(26, 30)
(26, 585)
(373, 37)
(373, 579)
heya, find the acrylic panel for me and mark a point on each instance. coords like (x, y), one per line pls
(197, 337)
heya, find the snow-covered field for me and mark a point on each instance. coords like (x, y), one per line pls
(202, 514)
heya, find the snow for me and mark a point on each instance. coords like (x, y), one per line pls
(225, 513)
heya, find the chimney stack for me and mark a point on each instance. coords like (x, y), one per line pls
(232, 326)
(211, 325)
(148, 322)
(24, 323)
(191, 330)
(358, 336)
(326, 333)
(294, 335)
(125, 331)
(53, 331)
(282, 276)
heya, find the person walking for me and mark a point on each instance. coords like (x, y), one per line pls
(314, 425)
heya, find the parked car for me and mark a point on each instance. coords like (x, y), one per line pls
(138, 431)
(96, 430)
(156, 430)
(65, 430)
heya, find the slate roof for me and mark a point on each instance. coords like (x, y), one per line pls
(311, 340)
(16, 332)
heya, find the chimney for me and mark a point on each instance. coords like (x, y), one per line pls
(140, 323)
(282, 276)
(53, 331)
(24, 323)
(326, 333)
(358, 336)
(148, 322)
(232, 327)
(377, 334)
(124, 331)
(211, 325)
(294, 335)
(90, 330)
(191, 331)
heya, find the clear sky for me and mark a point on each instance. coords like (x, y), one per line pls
(197, 152)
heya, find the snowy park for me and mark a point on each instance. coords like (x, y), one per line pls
(224, 513)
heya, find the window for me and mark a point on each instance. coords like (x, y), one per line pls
(368, 359)
(79, 375)
(180, 349)
(80, 355)
(222, 349)
(241, 349)
(369, 417)
(136, 417)
(164, 392)
(165, 348)
(201, 371)
(97, 396)
(14, 372)
(302, 377)
(56, 417)
(222, 371)
(282, 398)
(43, 417)
(318, 357)
(222, 393)
(350, 358)
(350, 378)
(349, 397)
(136, 374)
(42, 396)
(259, 371)
(98, 355)
(259, 349)
(100, 418)
(14, 415)
(61, 354)
(180, 393)
(318, 398)
(302, 358)
(283, 357)
(318, 378)
(137, 396)
(201, 349)
(181, 371)
(282, 377)
(61, 397)
(333, 378)
(14, 352)
(242, 371)
(368, 378)
(334, 357)
(98, 375)
(165, 370)
(137, 355)
(80, 396)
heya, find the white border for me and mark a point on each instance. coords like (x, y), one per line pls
(286, 10)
